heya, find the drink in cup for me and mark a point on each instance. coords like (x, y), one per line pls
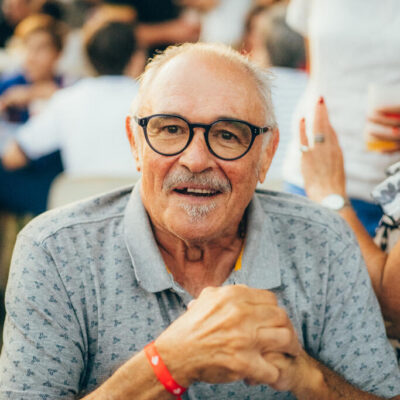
(380, 96)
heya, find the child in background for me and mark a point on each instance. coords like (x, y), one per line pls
(22, 94)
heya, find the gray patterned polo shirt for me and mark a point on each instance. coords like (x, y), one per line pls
(88, 289)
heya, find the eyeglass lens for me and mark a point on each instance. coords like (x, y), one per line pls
(170, 135)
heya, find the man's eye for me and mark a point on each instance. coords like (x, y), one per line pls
(171, 129)
(228, 136)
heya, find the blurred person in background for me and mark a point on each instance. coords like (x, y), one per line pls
(42, 39)
(12, 12)
(164, 22)
(86, 120)
(225, 21)
(350, 46)
(324, 178)
(273, 44)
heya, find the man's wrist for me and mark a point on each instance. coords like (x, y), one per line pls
(177, 363)
(309, 383)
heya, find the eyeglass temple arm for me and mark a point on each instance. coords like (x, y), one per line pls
(259, 131)
(141, 121)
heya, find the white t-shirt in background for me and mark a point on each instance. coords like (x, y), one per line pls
(353, 43)
(87, 123)
(287, 88)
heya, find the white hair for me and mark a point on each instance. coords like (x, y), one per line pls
(261, 76)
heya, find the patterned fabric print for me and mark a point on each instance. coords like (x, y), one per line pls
(387, 194)
(88, 289)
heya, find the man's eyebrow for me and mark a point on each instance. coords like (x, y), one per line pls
(216, 118)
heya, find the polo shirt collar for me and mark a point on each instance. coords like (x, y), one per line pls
(148, 264)
(260, 260)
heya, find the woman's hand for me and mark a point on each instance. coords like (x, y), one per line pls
(387, 123)
(322, 164)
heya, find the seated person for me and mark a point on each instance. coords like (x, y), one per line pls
(324, 179)
(192, 280)
(42, 38)
(162, 23)
(86, 121)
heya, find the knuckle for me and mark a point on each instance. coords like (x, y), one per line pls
(270, 297)
(285, 337)
(281, 318)
(232, 292)
(207, 291)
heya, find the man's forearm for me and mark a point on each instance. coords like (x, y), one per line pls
(324, 384)
(133, 380)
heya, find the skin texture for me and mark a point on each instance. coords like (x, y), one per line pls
(228, 333)
(323, 173)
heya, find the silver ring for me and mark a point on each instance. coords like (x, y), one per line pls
(319, 138)
(304, 148)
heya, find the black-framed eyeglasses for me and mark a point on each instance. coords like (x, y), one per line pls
(227, 139)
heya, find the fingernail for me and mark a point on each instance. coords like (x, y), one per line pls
(303, 120)
(321, 100)
(395, 130)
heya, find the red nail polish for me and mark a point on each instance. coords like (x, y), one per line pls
(321, 100)
(395, 130)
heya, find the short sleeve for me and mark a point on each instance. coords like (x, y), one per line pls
(298, 15)
(354, 342)
(41, 134)
(43, 355)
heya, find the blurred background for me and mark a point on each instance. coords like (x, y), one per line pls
(68, 72)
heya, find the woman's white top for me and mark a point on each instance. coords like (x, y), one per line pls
(353, 43)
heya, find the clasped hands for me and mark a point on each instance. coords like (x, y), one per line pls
(234, 333)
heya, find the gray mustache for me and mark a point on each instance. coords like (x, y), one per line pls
(208, 179)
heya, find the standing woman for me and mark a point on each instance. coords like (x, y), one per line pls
(351, 44)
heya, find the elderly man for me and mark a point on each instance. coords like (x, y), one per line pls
(193, 281)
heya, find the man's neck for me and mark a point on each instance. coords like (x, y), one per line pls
(198, 265)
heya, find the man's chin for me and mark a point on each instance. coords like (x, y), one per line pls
(197, 212)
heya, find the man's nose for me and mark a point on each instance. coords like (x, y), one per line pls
(197, 157)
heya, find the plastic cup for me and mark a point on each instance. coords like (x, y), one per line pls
(381, 96)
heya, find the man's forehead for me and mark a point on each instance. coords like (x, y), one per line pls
(194, 81)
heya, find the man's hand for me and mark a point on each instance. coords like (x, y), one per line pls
(226, 335)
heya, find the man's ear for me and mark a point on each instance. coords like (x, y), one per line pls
(267, 155)
(135, 148)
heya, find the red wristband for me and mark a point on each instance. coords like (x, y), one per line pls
(161, 371)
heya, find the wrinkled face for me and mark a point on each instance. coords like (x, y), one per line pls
(194, 195)
(41, 56)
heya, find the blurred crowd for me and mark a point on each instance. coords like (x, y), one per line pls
(68, 75)
(65, 86)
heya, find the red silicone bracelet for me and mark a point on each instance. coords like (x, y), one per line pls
(161, 371)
